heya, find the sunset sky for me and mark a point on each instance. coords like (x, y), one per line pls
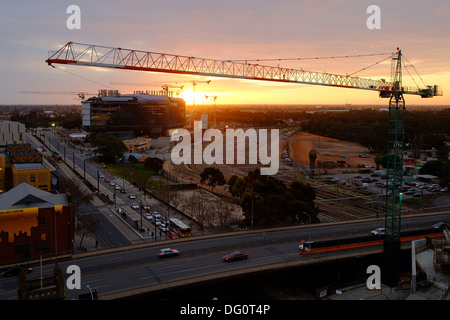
(226, 30)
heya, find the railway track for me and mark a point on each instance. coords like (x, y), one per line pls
(334, 204)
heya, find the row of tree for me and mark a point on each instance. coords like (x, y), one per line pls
(268, 202)
(423, 130)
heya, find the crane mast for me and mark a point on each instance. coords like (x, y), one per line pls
(394, 177)
(127, 59)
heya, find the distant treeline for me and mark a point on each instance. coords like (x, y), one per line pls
(423, 129)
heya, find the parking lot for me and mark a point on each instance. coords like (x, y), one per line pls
(376, 184)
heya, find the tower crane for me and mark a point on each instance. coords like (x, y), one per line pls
(214, 98)
(81, 95)
(194, 85)
(128, 59)
(164, 86)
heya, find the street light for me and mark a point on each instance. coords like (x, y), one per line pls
(309, 229)
(253, 196)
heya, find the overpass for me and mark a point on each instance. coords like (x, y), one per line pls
(136, 270)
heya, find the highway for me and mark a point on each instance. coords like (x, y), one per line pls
(139, 267)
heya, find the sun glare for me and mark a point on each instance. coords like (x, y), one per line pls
(188, 96)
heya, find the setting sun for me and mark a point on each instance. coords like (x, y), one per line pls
(189, 95)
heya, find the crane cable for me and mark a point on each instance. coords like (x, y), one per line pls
(415, 71)
(312, 58)
(374, 64)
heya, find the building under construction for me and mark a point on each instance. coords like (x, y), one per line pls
(137, 114)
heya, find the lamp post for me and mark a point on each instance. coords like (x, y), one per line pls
(309, 229)
(84, 169)
(56, 237)
(253, 196)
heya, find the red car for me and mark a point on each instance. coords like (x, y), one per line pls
(236, 255)
(172, 235)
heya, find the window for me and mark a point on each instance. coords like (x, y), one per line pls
(32, 178)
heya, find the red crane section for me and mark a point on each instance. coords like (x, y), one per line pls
(119, 58)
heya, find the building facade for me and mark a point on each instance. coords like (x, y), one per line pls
(139, 114)
(34, 223)
(11, 132)
(20, 163)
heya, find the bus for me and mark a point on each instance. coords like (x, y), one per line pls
(180, 227)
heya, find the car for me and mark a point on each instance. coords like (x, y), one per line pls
(101, 176)
(163, 227)
(148, 216)
(134, 205)
(378, 231)
(107, 180)
(112, 183)
(168, 252)
(440, 225)
(123, 191)
(156, 221)
(236, 255)
(131, 196)
(172, 235)
(417, 195)
(117, 187)
(145, 206)
(14, 271)
(156, 214)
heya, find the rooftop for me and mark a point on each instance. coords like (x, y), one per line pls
(27, 196)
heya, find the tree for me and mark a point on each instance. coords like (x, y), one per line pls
(433, 167)
(378, 161)
(232, 181)
(212, 176)
(86, 225)
(270, 203)
(312, 160)
(77, 195)
(109, 147)
(154, 164)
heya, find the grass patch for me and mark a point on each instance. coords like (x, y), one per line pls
(132, 172)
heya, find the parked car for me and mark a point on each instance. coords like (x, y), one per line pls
(172, 235)
(378, 231)
(14, 271)
(156, 214)
(148, 216)
(167, 252)
(236, 255)
(163, 227)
